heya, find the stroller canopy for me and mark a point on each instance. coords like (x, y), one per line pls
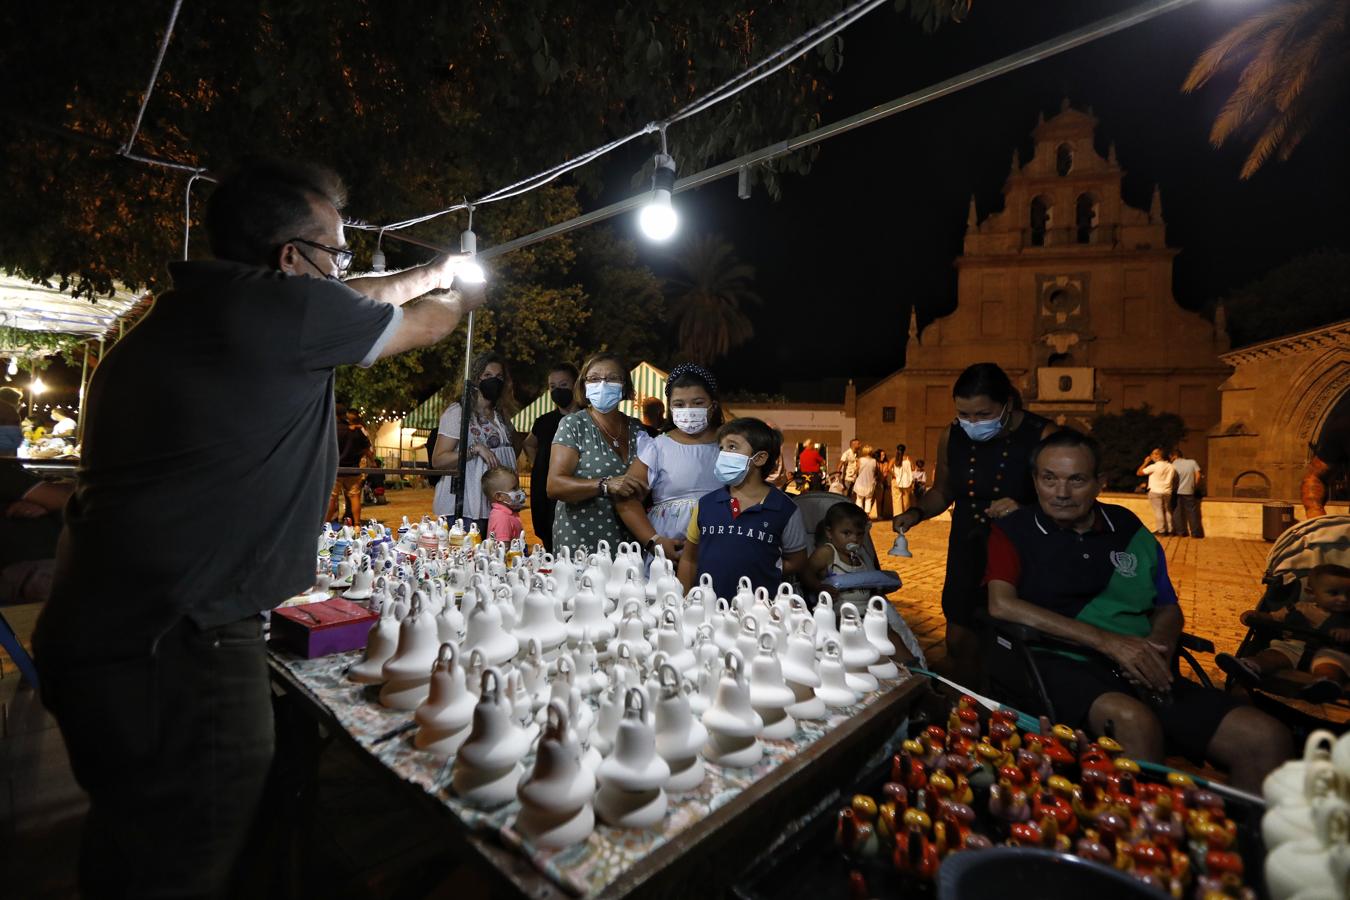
(1310, 543)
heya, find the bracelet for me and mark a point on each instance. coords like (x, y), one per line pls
(604, 487)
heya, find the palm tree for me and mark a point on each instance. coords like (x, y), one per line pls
(708, 299)
(1295, 64)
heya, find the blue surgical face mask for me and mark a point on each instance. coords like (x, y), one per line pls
(604, 395)
(731, 467)
(985, 429)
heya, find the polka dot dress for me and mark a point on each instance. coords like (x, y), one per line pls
(587, 523)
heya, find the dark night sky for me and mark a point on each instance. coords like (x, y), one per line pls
(876, 225)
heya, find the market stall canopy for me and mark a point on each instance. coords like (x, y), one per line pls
(30, 306)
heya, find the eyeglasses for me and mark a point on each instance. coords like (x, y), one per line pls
(341, 255)
(604, 379)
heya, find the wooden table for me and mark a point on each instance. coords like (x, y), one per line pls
(704, 859)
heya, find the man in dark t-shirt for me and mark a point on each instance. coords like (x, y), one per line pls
(562, 381)
(150, 649)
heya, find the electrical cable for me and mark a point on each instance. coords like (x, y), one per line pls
(187, 212)
(154, 76)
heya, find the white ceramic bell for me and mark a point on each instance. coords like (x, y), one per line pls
(747, 641)
(408, 672)
(777, 626)
(560, 684)
(616, 573)
(695, 613)
(670, 640)
(591, 679)
(506, 607)
(522, 706)
(673, 602)
(555, 798)
(834, 689)
(540, 621)
(363, 581)
(800, 671)
(667, 582)
(744, 598)
(588, 615)
(769, 693)
(483, 631)
(825, 620)
(473, 673)
(443, 719)
(732, 723)
(518, 579)
(704, 682)
(859, 653)
(626, 672)
(728, 627)
(607, 719)
(878, 635)
(450, 622)
(564, 572)
(402, 594)
(487, 768)
(633, 776)
(679, 736)
(1288, 782)
(652, 685)
(632, 630)
(1308, 863)
(381, 643)
(901, 546)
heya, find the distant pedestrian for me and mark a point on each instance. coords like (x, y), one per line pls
(1186, 522)
(865, 481)
(653, 416)
(848, 464)
(809, 464)
(1160, 474)
(920, 483)
(885, 509)
(902, 481)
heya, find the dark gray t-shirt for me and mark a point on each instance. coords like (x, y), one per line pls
(208, 457)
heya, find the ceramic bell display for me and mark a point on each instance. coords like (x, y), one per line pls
(487, 768)
(1291, 818)
(859, 653)
(901, 546)
(670, 640)
(450, 621)
(747, 641)
(444, 717)
(744, 598)
(770, 695)
(381, 644)
(728, 626)
(606, 726)
(633, 776)
(522, 706)
(801, 672)
(834, 689)
(679, 736)
(591, 679)
(540, 620)
(483, 631)
(363, 581)
(732, 723)
(588, 615)
(825, 620)
(408, 672)
(1316, 863)
(877, 632)
(555, 798)
(565, 571)
(632, 631)
(704, 681)
(1287, 781)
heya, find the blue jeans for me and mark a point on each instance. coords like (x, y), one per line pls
(173, 747)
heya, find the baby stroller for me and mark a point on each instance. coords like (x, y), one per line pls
(813, 506)
(1313, 542)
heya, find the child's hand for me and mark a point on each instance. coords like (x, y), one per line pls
(1341, 635)
(1248, 618)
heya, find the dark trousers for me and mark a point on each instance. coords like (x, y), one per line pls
(1186, 519)
(173, 748)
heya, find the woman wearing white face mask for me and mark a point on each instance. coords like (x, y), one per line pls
(590, 457)
(676, 467)
(985, 470)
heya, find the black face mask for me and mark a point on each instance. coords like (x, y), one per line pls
(491, 388)
(561, 396)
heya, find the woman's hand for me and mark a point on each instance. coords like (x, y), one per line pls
(907, 519)
(619, 487)
(485, 454)
(1001, 507)
(672, 547)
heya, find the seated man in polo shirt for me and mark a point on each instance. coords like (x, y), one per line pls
(1092, 574)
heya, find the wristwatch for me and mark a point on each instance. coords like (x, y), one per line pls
(604, 487)
(650, 546)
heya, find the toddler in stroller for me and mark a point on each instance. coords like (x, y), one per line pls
(1320, 618)
(844, 565)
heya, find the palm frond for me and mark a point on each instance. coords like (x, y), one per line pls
(1227, 51)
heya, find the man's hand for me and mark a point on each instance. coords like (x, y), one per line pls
(907, 519)
(23, 509)
(1141, 660)
(1000, 508)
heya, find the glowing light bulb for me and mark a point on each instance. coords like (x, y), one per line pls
(658, 219)
(13, 366)
(469, 270)
(37, 387)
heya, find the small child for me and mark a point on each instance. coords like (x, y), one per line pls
(748, 528)
(501, 486)
(1325, 610)
(839, 537)
(920, 480)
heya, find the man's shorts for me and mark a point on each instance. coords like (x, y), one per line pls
(1189, 720)
(1294, 650)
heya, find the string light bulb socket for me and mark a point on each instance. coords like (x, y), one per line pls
(658, 219)
(469, 270)
(377, 260)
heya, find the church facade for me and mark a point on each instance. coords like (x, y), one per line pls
(1069, 289)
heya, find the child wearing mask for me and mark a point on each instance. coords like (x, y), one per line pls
(748, 527)
(501, 488)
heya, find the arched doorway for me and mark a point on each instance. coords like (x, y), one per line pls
(1332, 445)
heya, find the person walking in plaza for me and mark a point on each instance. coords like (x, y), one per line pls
(1160, 475)
(885, 470)
(810, 462)
(562, 383)
(492, 440)
(864, 480)
(676, 467)
(985, 475)
(1186, 520)
(151, 649)
(848, 465)
(591, 455)
(353, 445)
(902, 480)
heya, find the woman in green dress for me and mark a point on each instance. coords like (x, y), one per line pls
(591, 454)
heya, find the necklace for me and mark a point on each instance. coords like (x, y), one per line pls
(613, 439)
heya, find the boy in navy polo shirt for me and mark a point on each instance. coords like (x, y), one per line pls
(748, 528)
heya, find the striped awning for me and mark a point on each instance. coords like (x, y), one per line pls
(30, 306)
(648, 381)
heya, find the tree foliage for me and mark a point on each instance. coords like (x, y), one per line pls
(1293, 62)
(710, 292)
(1306, 292)
(1128, 436)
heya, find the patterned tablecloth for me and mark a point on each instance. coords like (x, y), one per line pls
(584, 869)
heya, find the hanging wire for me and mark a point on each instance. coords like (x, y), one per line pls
(187, 212)
(154, 76)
